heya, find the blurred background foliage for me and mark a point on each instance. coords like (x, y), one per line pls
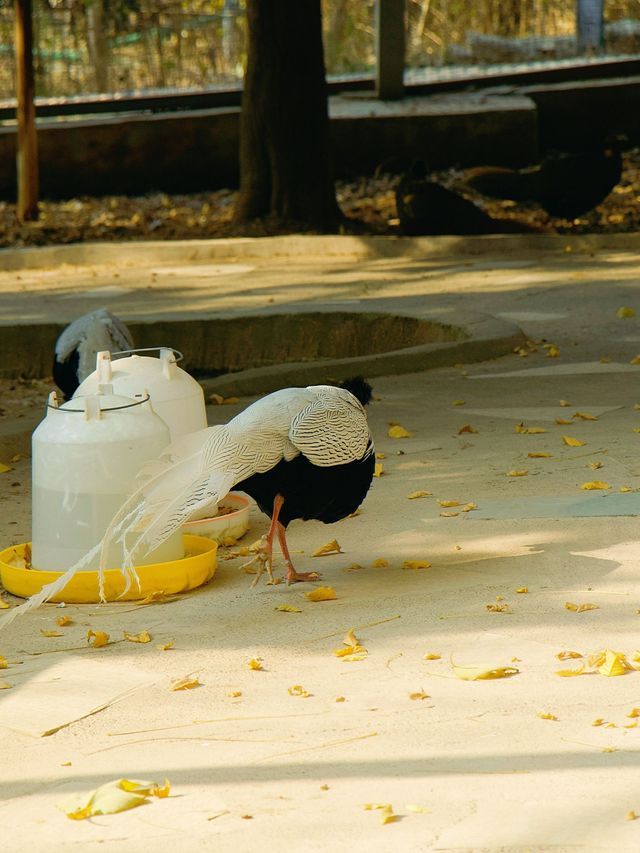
(111, 46)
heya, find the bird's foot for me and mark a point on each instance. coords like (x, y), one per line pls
(299, 577)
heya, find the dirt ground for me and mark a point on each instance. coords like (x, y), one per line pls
(368, 202)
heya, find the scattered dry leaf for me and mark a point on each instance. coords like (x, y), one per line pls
(615, 663)
(498, 608)
(563, 422)
(585, 416)
(449, 503)
(569, 655)
(479, 673)
(321, 593)
(625, 311)
(114, 797)
(431, 656)
(634, 712)
(288, 608)
(97, 639)
(458, 402)
(4, 685)
(387, 815)
(4, 468)
(63, 621)
(186, 683)
(412, 807)
(540, 455)
(340, 699)
(219, 400)
(522, 589)
(522, 473)
(573, 442)
(467, 428)
(416, 564)
(552, 351)
(378, 470)
(380, 563)
(164, 647)
(580, 608)
(156, 597)
(626, 489)
(594, 465)
(448, 514)
(565, 403)
(545, 715)
(420, 494)
(46, 633)
(142, 637)
(3, 662)
(255, 664)
(381, 455)
(330, 548)
(631, 815)
(420, 694)
(3, 604)
(298, 690)
(595, 485)
(397, 431)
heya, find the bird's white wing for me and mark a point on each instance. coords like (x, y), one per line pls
(332, 429)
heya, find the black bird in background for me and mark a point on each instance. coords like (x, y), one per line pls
(425, 207)
(565, 185)
(76, 348)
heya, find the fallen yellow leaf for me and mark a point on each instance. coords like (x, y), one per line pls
(634, 712)
(4, 685)
(568, 673)
(449, 503)
(431, 656)
(468, 507)
(355, 649)
(420, 694)
(626, 489)
(113, 797)
(378, 470)
(97, 639)
(387, 815)
(381, 455)
(598, 722)
(288, 608)
(467, 428)
(635, 360)
(498, 608)
(615, 663)
(573, 442)
(186, 683)
(3, 662)
(3, 604)
(522, 473)
(164, 647)
(142, 637)
(563, 422)
(412, 807)
(4, 468)
(580, 608)
(545, 715)
(397, 431)
(321, 593)
(255, 664)
(330, 548)
(631, 815)
(522, 589)
(531, 430)
(350, 638)
(479, 673)
(585, 416)
(552, 351)
(568, 655)
(46, 633)
(565, 403)
(449, 514)
(64, 621)
(625, 311)
(594, 465)
(380, 563)
(156, 597)
(540, 455)
(458, 403)
(420, 494)
(340, 699)
(298, 690)
(595, 485)
(416, 564)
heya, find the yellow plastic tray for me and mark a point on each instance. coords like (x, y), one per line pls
(194, 569)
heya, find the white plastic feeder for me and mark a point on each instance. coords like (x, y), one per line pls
(86, 454)
(176, 396)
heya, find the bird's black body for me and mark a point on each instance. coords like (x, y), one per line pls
(426, 207)
(310, 492)
(563, 184)
(324, 493)
(65, 374)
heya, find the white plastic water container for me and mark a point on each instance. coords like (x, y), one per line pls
(176, 396)
(86, 454)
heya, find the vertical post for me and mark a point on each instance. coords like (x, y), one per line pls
(590, 25)
(27, 153)
(390, 49)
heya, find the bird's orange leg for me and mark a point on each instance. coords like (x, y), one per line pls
(292, 575)
(264, 557)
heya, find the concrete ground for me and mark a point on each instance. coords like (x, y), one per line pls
(465, 765)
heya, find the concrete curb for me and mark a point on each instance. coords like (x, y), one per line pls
(299, 245)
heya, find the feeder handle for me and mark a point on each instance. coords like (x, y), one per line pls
(176, 352)
(146, 399)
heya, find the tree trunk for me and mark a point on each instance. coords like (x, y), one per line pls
(285, 167)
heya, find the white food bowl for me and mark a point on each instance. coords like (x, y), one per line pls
(231, 525)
